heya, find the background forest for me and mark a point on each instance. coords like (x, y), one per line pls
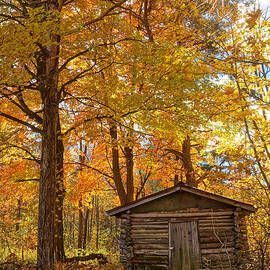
(107, 101)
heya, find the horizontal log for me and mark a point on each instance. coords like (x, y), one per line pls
(210, 232)
(152, 236)
(152, 221)
(217, 251)
(217, 245)
(151, 260)
(225, 263)
(150, 246)
(217, 264)
(221, 228)
(160, 252)
(160, 259)
(147, 232)
(216, 221)
(152, 241)
(149, 226)
(182, 219)
(142, 263)
(182, 214)
(100, 257)
(214, 239)
(217, 257)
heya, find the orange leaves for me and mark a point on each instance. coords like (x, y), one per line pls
(253, 17)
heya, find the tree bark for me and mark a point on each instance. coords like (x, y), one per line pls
(129, 167)
(187, 163)
(115, 164)
(19, 213)
(47, 74)
(80, 229)
(176, 176)
(60, 195)
(90, 229)
(97, 221)
(85, 228)
(47, 185)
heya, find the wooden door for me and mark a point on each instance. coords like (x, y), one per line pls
(184, 248)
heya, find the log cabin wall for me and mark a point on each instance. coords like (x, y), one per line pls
(183, 228)
(145, 238)
(125, 242)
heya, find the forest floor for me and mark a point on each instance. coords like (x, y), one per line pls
(12, 262)
(69, 266)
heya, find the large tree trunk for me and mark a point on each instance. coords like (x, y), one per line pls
(60, 195)
(47, 185)
(176, 176)
(187, 163)
(129, 167)
(116, 166)
(47, 65)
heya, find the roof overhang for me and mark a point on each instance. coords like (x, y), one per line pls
(181, 187)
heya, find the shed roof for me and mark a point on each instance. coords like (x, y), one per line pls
(181, 187)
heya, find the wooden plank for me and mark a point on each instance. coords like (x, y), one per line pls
(172, 218)
(184, 246)
(152, 246)
(214, 239)
(153, 241)
(147, 232)
(216, 245)
(149, 226)
(225, 220)
(217, 257)
(217, 251)
(147, 221)
(159, 252)
(152, 260)
(219, 198)
(152, 236)
(178, 214)
(221, 228)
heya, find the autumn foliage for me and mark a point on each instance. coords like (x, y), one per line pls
(105, 102)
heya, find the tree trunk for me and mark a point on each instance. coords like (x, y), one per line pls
(116, 167)
(47, 185)
(47, 74)
(97, 221)
(60, 194)
(129, 167)
(80, 229)
(176, 176)
(85, 228)
(187, 163)
(90, 229)
(19, 213)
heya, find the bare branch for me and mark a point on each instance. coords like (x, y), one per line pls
(27, 180)
(104, 14)
(83, 122)
(72, 58)
(89, 167)
(12, 118)
(34, 158)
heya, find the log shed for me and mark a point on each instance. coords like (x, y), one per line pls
(183, 228)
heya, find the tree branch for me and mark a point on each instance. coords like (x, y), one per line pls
(12, 118)
(104, 14)
(27, 180)
(34, 158)
(89, 167)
